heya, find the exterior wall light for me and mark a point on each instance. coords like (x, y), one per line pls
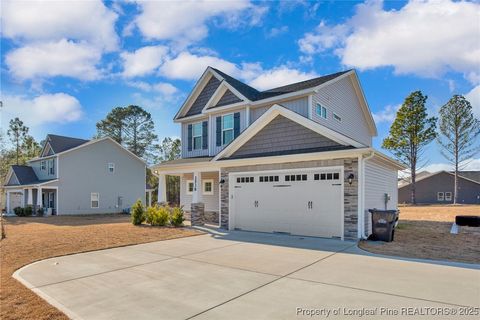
(350, 178)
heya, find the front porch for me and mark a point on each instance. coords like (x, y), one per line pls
(200, 195)
(36, 197)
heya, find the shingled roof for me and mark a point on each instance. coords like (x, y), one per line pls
(63, 143)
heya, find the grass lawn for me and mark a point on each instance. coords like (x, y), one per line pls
(424, 232)
(32, 239)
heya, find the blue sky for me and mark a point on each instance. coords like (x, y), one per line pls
(65, 65)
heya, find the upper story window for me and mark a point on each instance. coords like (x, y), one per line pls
(337, 117)
(227, 128)
(321, 111)
(111, 167)
(43, 165)
(197, 135)
(51, 166)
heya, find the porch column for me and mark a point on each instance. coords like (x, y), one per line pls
(30, 196)
(8, 201)
(197, 187)
(162, 189)
(39, 197)
(149, 198)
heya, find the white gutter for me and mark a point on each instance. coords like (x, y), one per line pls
(361, 206)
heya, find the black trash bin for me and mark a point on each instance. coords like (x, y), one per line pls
(383, 224)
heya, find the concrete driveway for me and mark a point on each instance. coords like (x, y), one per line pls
(246, 275)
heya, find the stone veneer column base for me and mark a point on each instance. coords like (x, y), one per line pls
(197, 214)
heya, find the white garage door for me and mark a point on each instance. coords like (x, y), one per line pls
(15, 200)
(307, 202)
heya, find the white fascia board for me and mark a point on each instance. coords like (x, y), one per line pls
(197, 89)
(42, 158)
(98, 140)
(32, 185)
(193, 118)
(215, 96)
(386, 159)
(273, 112)
(9, 175)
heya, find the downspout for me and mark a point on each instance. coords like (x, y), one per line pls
(362, 198)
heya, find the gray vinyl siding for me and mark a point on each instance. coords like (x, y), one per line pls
(282, 134)
(299, 106)
(44, 174)
(426, 190)
(203, 97)
(211, 201)
(85, 170)
(228, 98)
(192, 153)
(13, 180)
(379, 179)
(214, 149)
(340, 98)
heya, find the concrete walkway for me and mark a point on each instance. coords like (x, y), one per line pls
(246, 275)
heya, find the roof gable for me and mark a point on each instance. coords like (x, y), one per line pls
(269, 116)
(203, 97)
(228, 98)
(24, 174)
(13, 180)
(284, 136)
(55, 144)
(443, 172)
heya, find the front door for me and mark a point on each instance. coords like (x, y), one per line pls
(51, 199)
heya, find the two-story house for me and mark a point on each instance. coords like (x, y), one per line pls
(76, 176)
(296, 159)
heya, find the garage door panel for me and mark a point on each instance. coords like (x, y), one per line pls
(297, 202)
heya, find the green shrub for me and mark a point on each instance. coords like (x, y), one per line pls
(28, 211)
(176, 216)
(19, 211)
(40, 211)
(157, 215)
(138, 215)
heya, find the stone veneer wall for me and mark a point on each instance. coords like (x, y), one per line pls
(350, 191)
(211, 217)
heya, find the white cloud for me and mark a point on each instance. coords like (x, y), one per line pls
(275, 32)
(88, 21)
(279, 76)
(43, 109)
(187, 66)
(427, 38)
(386, 115)
(143, 61)
(164, 88)
(468, 165)
(474, 98)
(51, 59)
(186, 21)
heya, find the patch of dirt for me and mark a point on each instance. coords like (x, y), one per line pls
(32, 239)
(424, 232)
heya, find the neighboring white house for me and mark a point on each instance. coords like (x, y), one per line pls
(296, 159)
(76, 176)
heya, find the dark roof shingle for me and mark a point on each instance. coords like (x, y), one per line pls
(63, 143)
(25, 174)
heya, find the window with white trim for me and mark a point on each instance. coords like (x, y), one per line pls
(227, 128)
(207, 186)
(189, 187)
(321, 111)
(448, 196)
(197, 136)
(51, 166)
(43, 165)
(337, 117)
(94, 199)
(111, 167)
(440, 196)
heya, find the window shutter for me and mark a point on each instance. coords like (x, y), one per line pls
(236, 124)
(219, 131)
(189, 137)
(205, 134)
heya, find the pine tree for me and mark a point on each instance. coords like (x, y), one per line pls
(458, 132)
(17, 133)
(410, 132)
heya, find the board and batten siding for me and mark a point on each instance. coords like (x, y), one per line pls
(211, 201)
(379, 179)
(299, 106)
(340, 98)
(85, 171)
(192, 153)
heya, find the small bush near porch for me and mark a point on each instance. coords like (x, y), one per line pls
(157, 215)
(424, 232)
(33, 239)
